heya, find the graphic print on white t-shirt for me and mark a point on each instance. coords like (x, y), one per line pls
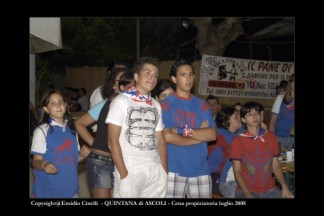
(141, 122)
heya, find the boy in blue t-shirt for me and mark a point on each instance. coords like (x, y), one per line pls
(189, 125)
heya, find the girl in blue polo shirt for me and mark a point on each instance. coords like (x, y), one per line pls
(55, 151)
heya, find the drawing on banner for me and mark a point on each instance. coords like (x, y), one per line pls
(222, 72)
(245, 78)
(233, 73)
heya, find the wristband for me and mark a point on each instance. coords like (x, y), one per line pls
(43, 164)
(180, 131)
(187, 132)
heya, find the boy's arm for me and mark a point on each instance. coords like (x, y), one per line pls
(116, 152)
(161, 145)
(199, 135)
(177, 139)
(204, 134)
(238, 177)
(286, 193)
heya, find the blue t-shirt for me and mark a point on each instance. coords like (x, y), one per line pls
(187, 161)
(61, 149)
(94, 112)
(285, 120)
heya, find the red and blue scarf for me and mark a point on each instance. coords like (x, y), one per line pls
(137, 96)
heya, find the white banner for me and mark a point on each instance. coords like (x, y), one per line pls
(242, 78)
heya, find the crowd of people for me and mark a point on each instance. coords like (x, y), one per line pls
(155, 139)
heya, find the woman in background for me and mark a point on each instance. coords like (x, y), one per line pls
(283, 116)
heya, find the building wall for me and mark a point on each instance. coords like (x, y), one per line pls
(86, 77)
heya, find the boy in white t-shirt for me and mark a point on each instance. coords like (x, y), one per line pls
(135, 137)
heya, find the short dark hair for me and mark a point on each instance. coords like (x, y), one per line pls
(212, 97)
(247, 107)
(178, 64)
(145, 60)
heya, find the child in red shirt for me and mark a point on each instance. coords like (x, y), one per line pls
(255, 155)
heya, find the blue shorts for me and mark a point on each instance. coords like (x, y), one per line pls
(100, 172)
(228, 189)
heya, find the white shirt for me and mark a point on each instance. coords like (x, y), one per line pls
(276, 105)
(139, 123)
(96, 97)
(230, 175)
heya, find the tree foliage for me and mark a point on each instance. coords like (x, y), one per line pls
(94, 42)
(86, 42)
(97, 41)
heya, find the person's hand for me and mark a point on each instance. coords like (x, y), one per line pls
(84, 151)
(122, 176)
(49, 168)
(248, 194)
(286, 193)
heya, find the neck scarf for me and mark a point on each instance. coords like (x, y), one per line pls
(137, 96)
(260, 134)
